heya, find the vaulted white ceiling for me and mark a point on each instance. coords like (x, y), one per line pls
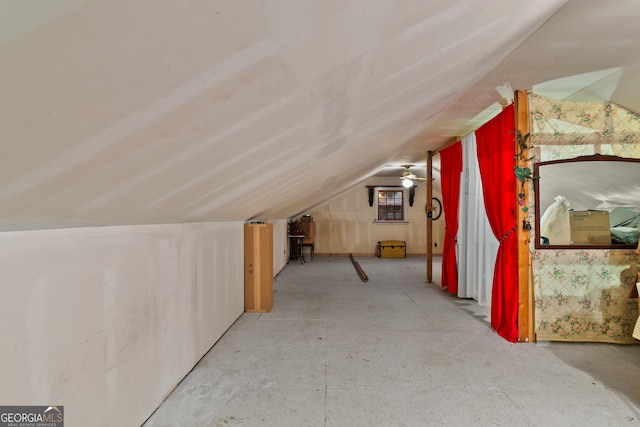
(133, 112)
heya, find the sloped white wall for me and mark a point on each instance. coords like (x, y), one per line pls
(280, 244)
(106, 321)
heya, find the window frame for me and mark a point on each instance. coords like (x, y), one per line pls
(403, 205)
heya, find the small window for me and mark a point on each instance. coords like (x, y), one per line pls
(390, 205)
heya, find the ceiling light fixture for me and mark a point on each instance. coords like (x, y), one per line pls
(409, 177)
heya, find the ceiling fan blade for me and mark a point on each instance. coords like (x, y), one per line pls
(407, 174)
(412, 177)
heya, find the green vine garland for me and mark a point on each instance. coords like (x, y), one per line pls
(523, 174)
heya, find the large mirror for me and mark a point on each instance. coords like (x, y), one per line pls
(587, 202)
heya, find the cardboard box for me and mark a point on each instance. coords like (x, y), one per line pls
(581, 228)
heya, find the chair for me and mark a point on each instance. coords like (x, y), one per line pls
(308, 245)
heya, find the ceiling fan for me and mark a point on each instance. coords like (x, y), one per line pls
(408, 177)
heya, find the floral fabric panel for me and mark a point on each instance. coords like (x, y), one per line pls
(566, 129)
(578, 293)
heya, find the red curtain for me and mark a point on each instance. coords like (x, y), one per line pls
(450, 170)
(496, 150)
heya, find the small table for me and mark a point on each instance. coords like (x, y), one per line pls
(295, 247)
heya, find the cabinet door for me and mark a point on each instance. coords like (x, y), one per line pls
(258, 268)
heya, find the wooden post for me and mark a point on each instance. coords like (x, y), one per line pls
(526, 331)
(428, 207)
(258, 268)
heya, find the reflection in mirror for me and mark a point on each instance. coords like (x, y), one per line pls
(590, 201)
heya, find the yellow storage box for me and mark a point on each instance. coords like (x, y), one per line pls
(391, 249)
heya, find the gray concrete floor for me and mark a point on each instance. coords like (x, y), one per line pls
(394, 351)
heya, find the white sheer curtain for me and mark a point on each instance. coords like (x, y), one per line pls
(477, 246)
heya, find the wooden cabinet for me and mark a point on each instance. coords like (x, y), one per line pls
(258, 268)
